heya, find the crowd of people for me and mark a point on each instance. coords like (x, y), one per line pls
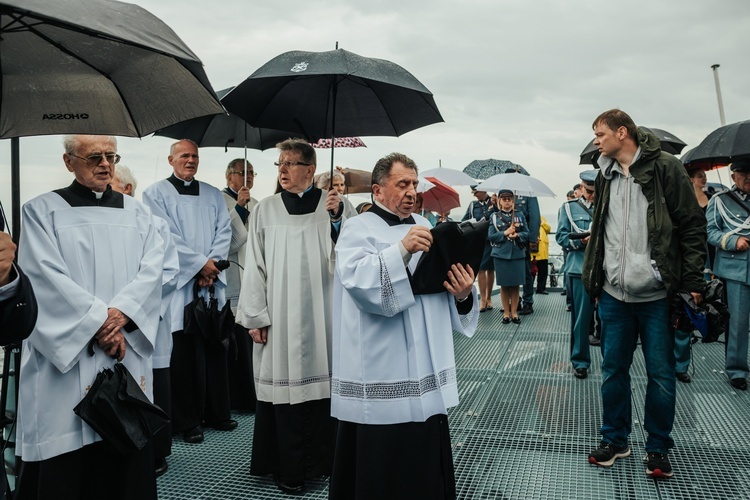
(340, 359)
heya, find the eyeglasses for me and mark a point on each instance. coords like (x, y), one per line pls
(250, 173)
(287, 164)
(95, 160)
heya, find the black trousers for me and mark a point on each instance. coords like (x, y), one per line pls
(163, 398)
(398, 461)
(199, 381)
(241, 379)
(293, 442)
(541, 276)
(93, 472)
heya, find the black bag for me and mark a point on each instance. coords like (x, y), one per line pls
(452, 243)
(118, 410)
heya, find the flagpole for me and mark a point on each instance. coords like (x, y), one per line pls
(715, 68)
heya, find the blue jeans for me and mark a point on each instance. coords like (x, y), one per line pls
(580, 323)
(623, 323)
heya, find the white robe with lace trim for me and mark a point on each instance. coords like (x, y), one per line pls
(393, 359)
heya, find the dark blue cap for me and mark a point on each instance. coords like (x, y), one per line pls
(740, 166)
(589, 176)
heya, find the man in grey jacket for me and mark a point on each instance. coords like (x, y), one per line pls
(647, 242)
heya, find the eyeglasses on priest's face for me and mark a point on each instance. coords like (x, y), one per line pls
(250, 173)
(288, 164)
(96, 160)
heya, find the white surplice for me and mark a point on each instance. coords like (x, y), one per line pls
(200, 229)
(82, 261)
(287, 284)
(237, 248)
(393, 358)
(163, 346)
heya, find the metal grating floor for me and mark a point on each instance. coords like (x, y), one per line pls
(525, 425)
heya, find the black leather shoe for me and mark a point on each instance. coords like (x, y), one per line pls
(684, 378)
(226, 425)
(506, 320)
(542, 292)
(516, 320)
(739, 383)
(581, 373)
(290, 488)
(194, 435)
(161, 466)
(526, 309)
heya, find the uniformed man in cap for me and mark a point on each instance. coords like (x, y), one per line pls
(529, 207)
(728, 217)
(572, 235)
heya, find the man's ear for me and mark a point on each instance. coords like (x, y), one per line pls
(67, 160)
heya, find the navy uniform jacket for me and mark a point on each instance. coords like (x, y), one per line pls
(579, 217)
(479, 210)
(729, 263)
(502, 247)
(529, 207)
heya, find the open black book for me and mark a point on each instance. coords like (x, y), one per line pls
(452, 243)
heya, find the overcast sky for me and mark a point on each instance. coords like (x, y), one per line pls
(514, 79)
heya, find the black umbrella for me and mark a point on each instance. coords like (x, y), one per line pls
(93, 67)
(205, 319)
(669, 143)
(333, 94)
(225, 130)
(484, 169)
(118, 410)
(721, 147)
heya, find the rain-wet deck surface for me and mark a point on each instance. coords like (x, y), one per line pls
(525, 425)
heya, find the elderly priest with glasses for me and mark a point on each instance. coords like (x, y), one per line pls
(94, 258)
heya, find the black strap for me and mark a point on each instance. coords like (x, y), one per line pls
(739, 200)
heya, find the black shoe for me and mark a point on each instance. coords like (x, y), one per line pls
(489, 307)
(194, 435)
(563, 293)
(483, 309)
(607, 453)
(658, 466)
(516, 320)
(526, 309)
(161, 466)
(684, 378)
(594, 340)
(506, 320)
(568, 308)
(739, 383)
(226, 425)
(290, 488)
(542, 292)
(581, 373)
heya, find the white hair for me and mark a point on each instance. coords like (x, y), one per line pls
(125, 177)
(71, 143)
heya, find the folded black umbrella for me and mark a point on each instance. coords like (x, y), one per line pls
(118, 410)
(205, 319)
(452, 243)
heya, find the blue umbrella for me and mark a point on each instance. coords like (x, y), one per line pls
(484, 169)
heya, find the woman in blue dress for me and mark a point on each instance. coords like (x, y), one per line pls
(508, 235)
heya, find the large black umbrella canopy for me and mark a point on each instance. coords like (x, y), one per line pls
(721, 147)
(669, 143)
(300, 91)
(324, 95)
(92, 67)
(225, 130)
(484, 169)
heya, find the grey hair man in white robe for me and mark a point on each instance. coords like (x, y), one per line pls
(95, 259)
(199, 223)
(394, 373)
(285, 301)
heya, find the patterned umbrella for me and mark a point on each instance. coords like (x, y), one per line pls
(340, 142)
(484, 169)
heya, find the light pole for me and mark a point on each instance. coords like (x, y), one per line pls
(715, 67)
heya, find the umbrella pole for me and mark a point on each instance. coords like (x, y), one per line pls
(333, 128)
(15, 183)
(244, 165)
